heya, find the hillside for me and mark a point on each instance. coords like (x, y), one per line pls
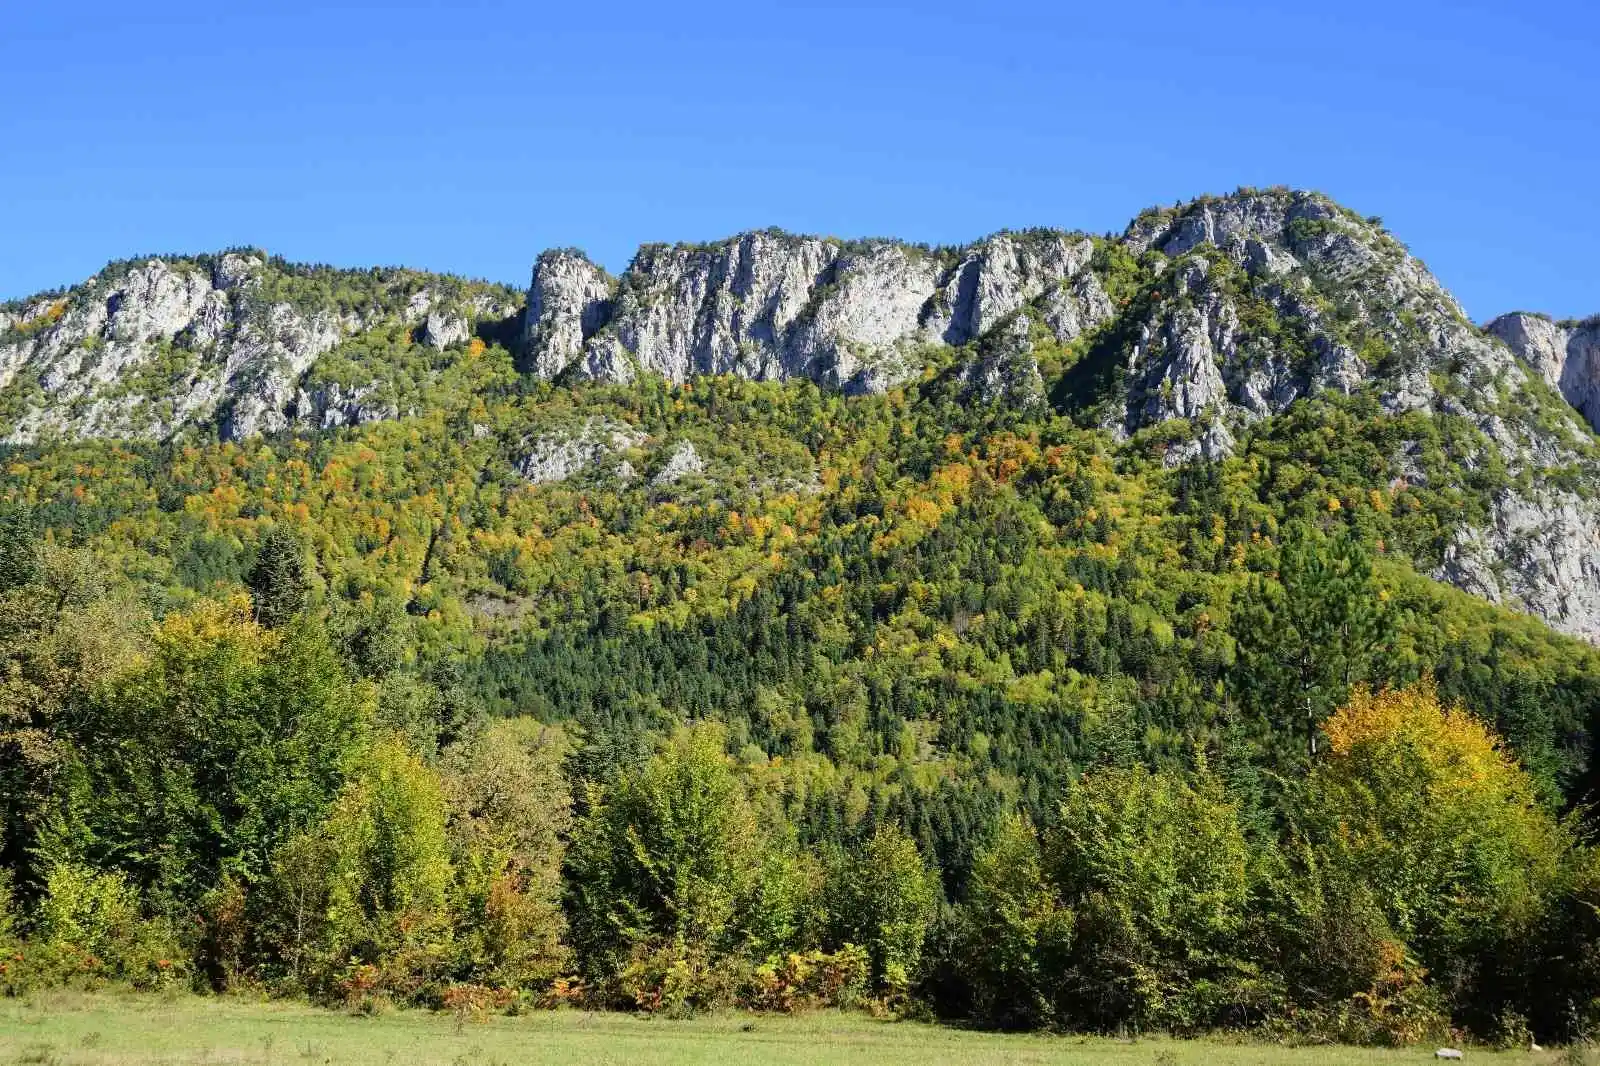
(1190, 334)
(856, 538)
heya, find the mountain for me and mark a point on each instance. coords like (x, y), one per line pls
(1199, 329)
(915, 557)
(149, 347)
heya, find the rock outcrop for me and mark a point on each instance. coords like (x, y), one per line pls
(150, 347)
(684, 461)
(557, 456)
(567, 304)
(773, 306)
(1565, 354)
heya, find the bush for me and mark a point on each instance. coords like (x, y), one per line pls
(677, 980)
(1157, 872)
(670, 856)
(88, 931)
(801, 981)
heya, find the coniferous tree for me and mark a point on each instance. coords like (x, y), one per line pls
(279, 586)
(1307, 635)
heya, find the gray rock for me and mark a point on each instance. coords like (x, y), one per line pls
(1540, 553)
(1006, 370)
(558, 456)
(567, 304)
(150, 348)
(1566, 356)
(443, 330)
(774, 306)
(684, 462)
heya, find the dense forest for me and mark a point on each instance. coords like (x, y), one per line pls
(778, 697)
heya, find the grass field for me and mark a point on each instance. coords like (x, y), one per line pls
(126, 1029)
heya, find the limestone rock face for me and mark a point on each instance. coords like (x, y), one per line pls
(999, 275)
(1006, 371)
(567, 303)
(684, 462)
(1177, 368)
(1540, 554)
(147, 348)
(557, 456)
(1565, 355)
(444, 330)
(773, 306)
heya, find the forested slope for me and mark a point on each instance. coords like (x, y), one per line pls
(772, 621)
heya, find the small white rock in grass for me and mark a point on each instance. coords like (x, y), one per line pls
(1447, 1053)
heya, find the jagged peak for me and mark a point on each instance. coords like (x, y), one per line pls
(1280, 215)
(569, 254)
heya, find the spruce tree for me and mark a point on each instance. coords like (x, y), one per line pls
(279, 586)
(1307, 636)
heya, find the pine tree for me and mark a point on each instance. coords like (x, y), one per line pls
(1307, 637)
(279, 587)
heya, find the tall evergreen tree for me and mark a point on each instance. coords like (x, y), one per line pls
(1307, 635)
(279, 585)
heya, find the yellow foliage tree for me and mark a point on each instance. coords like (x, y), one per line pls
(1424, 804)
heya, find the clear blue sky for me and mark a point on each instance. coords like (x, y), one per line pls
(468, 137)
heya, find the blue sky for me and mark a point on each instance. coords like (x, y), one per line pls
(467, 137)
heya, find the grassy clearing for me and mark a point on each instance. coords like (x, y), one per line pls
(118, 1029)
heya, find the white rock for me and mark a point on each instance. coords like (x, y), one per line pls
(566, 305)
(558, 456)
(1566, 357)
(773, 306)
(684, 462)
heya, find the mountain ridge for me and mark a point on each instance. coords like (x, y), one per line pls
(1195, 328)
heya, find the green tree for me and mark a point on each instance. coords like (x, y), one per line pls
(1017, 937)
(64, 636)
(279, 586)
(224, 741)
(369, 886)
(668, 856)
(19, 549)
(510, 812)
(1307, 636)
(882, 897)
(1157, 871)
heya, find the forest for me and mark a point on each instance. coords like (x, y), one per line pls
(892, 701)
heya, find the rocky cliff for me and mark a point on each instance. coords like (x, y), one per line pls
(769, 305)
(1565, 354)
(149, 347)
(1195, 328)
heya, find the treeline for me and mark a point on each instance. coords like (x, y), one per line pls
(271, 792)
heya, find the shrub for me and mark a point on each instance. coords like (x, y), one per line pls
(670, 855)
(801, 981)
(88, 930)
(1157, 872)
